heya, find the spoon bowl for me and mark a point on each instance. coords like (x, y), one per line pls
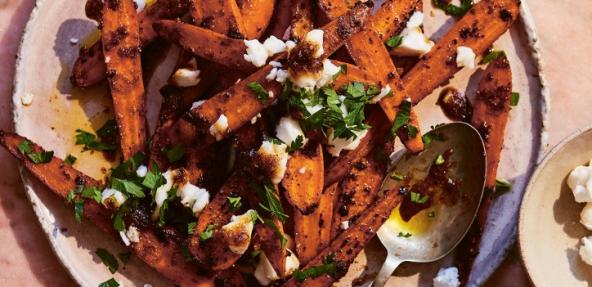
(437, 228)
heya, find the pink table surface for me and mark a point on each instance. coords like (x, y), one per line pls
(26, 258)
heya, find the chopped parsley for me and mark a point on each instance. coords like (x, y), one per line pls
(491, 56)
(175, 153)
(395, 41)
(277, 231)
(454, 10)
(328, 267)
(153, 178)
(91, 142)
(78, 209)
(270, 202)
(129, 187)
(439, 160)
(70, 160)
(431, 136)
(259, 91)
(109, 283)
(118, 222)
(92, 192)
(124, 256)
(235, 203)
(296, 144)
(108, 259)
(514, 99)
(186, 253)
(419, 198)
(208, 233)
(396, 176)
(191, 227)
(404, 235)
(502, 186)
(402, 120)
(26, 148)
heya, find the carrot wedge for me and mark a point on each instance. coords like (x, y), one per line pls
(205, 43)
(267, 240)
(302, 19)
(222, 16)
(391, 17)
(350, 242)
(256, 16)
(491, 110)
(60, 178)
(89, 69)
(121, 45)
(334, 8)
(303, 182)
(485, 22)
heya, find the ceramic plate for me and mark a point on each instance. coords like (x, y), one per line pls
(45, 60)
(550, 230)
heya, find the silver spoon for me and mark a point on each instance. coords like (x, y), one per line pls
(444, 224)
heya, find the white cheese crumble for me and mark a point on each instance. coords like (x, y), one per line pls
(264, 272)
(319, 79)
(586, 250)
(465, 57)
(414, 42)
(197, 104)
(292, 263)
(258, 53)
(140, 5)
(186, 77)
(162, 191)
(238, 231)
(302, 170)
(124, 238)
(27, 99)
(255, 118)
(586, 216)
(290, 44)
(288, 130)
(336, 145)
(344, 225)
(112, 198)
(275, 64)
(219, 127)
(580, 182)
(447, 277)
(385, 91)
(107, 60)
(133, 234)
(315, 38)
(142, 171)
(193, 197)
(274, 46)
(74, 41)
(278, 155)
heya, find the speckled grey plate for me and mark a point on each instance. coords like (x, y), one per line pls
(44, 64)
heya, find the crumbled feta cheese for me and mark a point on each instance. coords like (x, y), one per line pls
(270, 94)
(315, 37)
(256, 53)
(255, 118)
(344, 225)
(74, 41)
(319, 79)
(281, 76)
(133, 234)
(264, 272)
(124, 238)
(140, 5)
(414, 42)
(27, 99)
(385, 91)
(274, 46)
(328, 73)
(302, 170)
(193, 197)
(580, 182)
(275, 64)
(288, 130)
(272, 74)
(465, 57)
(112, 198)
(586, 216)
(195, 105)
(276, 154)
(586, 250)
(107, 60)
(292, 263)
(142, 171)
(147, 285)
(186, 77)
(238, 232)
(447, 277)
(336, 145)
(162, 192)
(219, 127)
(290, 44)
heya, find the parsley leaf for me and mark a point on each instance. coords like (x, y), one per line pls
(419, 198)
(514, 99)
(165, 206)
(277, 231)
(396, 176)
(394, 41)
(91, 142)
(153, 178)
(78, 209)
(127, 186)
(502, 186)
(109, 283)
(402, 118)
(270, 202)
(439, 160)
(92, 192)
(108, 259)
(296, 144)
(328, 267)
(454, 10)
(235, 203)
(259, 91)
(405, 235)
(491, 56)
(175, 153)
(208, 233)
(191, 227)
(70, 160)
(26, 148)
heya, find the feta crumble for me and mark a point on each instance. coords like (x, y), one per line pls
(274, 46)
(238, 232)
(27, 99)
(447, 277)
(319, 79)
(288, 130)
(336, 145)
(193, 197)
(218, 129)
(112, 198)
(258, 53)
(344, 225)
(315, 38)
(142, 171)
(74, 41)
(255, 118)
(186, 77)
(264, 272)
(133, 234)
(197, 104)
(140, 5)
(275, 155)
(465, 57)
(162, 192)
(414, 42)
(385, 91)
(302, 170)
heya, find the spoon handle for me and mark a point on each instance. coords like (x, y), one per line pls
(388, 267)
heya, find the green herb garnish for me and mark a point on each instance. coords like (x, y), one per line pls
(175, 153)
(328, 267)
(395, 41)
(277, 231)
(191, 227)
(296, 144)
(491, 56)
(439, 160)
(124, 256)
(396, 176)
(502, 186)
(70, 160)
(93, 193)
(91, 142)
(108, 259)
(405, 235)
(109, 283)
(235, 203)
(208, 233)
(453, 10)
(419, 198)
(270, 202)
(153, 178)
(514, 99)
(26, 148)
(129, 187)
(259, 91)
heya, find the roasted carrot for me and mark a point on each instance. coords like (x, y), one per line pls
(485, 22)
(281, 19)
(334, 8)
(256, 16)
(391, 17)
(93, 9)
(61, 178)
(302, 18)
(306, 234)
(121, 46)
(89, 69)
(326, 206)
(303, 182)
(267, 239)
(491, 109)
(350, 242)
(222, 16)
